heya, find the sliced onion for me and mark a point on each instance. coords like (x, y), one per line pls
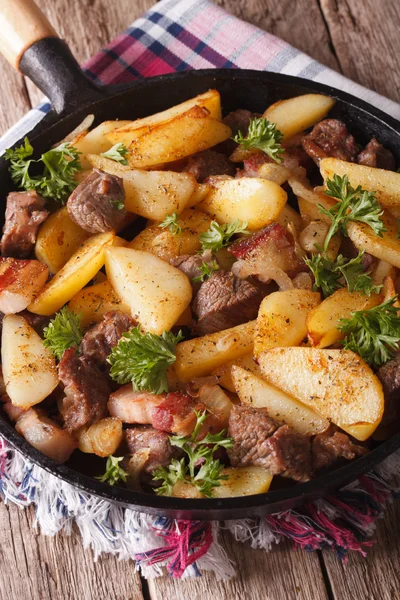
(303, 281)
(135, 467)
(264, 271)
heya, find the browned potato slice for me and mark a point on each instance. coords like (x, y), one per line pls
(224, 372)
(322, 321)
(93, 302)
(200, 356)
(337, 384)
(281, 319)
(165, 244)
(386, 247)
(95, 141)
(294, 115)
(386, 184)
(257, 392)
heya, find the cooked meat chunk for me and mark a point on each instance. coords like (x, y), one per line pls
(160, 450)
(37, 322)
(294, 157)
(86, 391)
(224, 301)
(327, 448)
(98, 341)
(24, 213)
(330, 138)
(190, 264)
(389, 374)
(260, 440)
(94, 204)
(375, 155)
(208, 163)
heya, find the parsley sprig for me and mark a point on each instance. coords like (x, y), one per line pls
(206, 271)
(373, 333)
(143, 359)
(114, 472)
(171, 221)
(218, 236)
(205, 477)
(264, 135)
(331, 275)
(63, 332)
(57, 181)
(355, 204)
(117, 153)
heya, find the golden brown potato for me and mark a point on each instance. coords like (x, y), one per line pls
(281, 319)
(257, 201)
(386, 184)
(294, 115)
(224, 372)
(93, 302)
(95, 141)
(200, 356)
(163, 243)
(337, 384)
(322, 322)
(255, 391)
(289, 215)
(386, 248)
(129, 132)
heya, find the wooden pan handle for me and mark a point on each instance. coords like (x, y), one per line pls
(21, 24)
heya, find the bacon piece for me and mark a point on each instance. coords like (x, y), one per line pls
(20, 281)
(133, 407)
(175, 414)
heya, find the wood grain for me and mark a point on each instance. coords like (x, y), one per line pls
(360, 38)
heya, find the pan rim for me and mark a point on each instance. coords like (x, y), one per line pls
(226, 508)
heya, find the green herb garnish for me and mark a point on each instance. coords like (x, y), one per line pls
(264, 135)
(117, 153)
(171, 221)
(206, 271)
(373, 333)
(114, 472)
(63, 332)
(218, 236)
(143, 359)
(331, 275)
(355, 204)
(198, 452)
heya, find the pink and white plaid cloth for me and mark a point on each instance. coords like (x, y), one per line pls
(178, 35)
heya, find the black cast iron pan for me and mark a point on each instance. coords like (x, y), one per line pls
(46, 59)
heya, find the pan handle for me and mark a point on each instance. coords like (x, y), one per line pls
(31, 45)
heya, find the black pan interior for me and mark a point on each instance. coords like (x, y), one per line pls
(252, 90)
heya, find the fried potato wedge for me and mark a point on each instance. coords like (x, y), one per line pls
(289, 215)
(200, 356)
(294, 115)
(150, 194)
(282, 317)
(385, 183)
(257, 392)
(128, 132)
(93, 302)
(385, 248)
(58, 238)
(156, 292)
(224, 372)
(29, 368)
(337, 384)
(75, 274)
(322, 322)
(257, 201)
(163, 243)
(95, 141)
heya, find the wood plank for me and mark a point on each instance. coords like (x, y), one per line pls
(365, 36)
(14, 99)
(375, 577)
(300, 23)
(57, 568)
(282, 574)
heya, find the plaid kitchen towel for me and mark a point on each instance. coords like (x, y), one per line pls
(177, 35)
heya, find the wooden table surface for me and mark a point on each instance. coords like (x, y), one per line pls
(359, 38)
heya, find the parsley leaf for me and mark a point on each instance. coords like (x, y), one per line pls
(63, 332)
(331, 275)
(264, 135)
(218, 236)
(60, 167)
(114, 472)
(199, 452)
(171, 221)
(143, 359)
(374, 333)
(117, 153)
(206, 271)
(355, 204)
